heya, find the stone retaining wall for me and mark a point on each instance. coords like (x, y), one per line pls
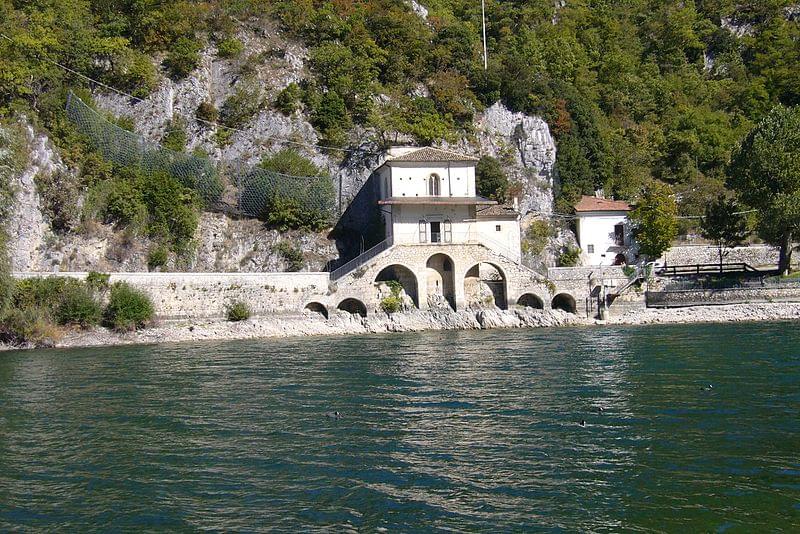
(206, 295)
(757, 255)
(699, 297)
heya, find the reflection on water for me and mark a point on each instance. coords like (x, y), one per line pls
(451, 430)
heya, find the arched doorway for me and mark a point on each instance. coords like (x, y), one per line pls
(440, 281)
(402, 275)
(485, 284)
(620, 259)
(529, 300)
(564, 301)
(353, 306)
(316, 307)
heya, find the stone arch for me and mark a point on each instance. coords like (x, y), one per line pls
(529, 300)
(317, 307)
(404, 275)
(486, 277)
(566, 302)
(620, 259)
(353, 306)
(440, 280)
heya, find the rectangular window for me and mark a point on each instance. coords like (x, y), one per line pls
(619, 235)
(423, 231)
(448, 231)
(497, 228)
(590, 249)
(436, 232)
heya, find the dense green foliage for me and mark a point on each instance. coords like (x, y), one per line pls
(128, 308)
(288, 191)
(10, 161)
(765, 171)
(292, 255)
(569, 257)
(724, 224)
(632, 90)
(237, 311)
(654, 220)
(490, 180)
(537, 236)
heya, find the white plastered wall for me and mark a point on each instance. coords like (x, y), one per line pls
(597, 229)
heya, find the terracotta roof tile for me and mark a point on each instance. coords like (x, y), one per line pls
(588, 203)
(432, 154)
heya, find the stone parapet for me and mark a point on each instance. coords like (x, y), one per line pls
(705, 297)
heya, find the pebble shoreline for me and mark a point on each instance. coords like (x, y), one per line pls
(416, 321)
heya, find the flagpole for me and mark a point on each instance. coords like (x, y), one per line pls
(483, 24)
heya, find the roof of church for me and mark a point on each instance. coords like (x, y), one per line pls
(452, 201)
(588, 203)
(432, 155)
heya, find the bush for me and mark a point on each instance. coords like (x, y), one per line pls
(291, 255)
(175, 135)
(28, 326)
(238, 311)
(230, 47)
(491, 181)
(288, 100)
(124, 201)
(240, 107)
(157, 257)
(569, 257)
(206, 111)
(128, 308)
(537, 237)
(97, 282)
(391, 304)
(183, 57)
(78, 307)
(628, 270)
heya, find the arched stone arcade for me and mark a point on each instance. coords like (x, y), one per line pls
(353, 306)
(485, 283)
(565, 302)
(317, 307)
(404, 276)
(440, 280)
(529, 300)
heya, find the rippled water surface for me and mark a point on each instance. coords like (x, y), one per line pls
(454, 431)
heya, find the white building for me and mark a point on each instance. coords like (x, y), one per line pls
(604, 231)
(428, 196)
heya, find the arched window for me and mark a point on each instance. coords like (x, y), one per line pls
(433, 185)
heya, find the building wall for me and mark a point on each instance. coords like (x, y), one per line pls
(406, 219)
(597, 229)
(410, 179)
(507, 241)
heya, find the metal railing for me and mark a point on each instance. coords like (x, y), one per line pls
(361, 259)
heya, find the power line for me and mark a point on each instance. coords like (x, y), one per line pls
(198, 119)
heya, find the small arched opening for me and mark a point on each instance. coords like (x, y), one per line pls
(529, 300)
(353, 306)
(620, 259)
(564, 301)
(402, 275)
(440, 281)
(316, 307)
(485, 284)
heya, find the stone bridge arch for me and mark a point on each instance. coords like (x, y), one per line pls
(404, 276)
(440, 279)
(486, 281)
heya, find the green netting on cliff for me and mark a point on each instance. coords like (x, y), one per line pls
(279, 199)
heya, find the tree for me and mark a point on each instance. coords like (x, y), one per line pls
(654, 218)
(765, 172)
(724, 224)
(491, 181)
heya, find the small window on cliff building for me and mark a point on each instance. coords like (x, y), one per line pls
(590, 249)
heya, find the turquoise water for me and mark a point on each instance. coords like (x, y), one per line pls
(438, 431)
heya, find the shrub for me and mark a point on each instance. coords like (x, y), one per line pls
(230, 47)
(175, 135)
(157, 257)
(58, 191)
(78, 307)
(28, 326)
(97, 282)
(291, 255)
(128, 308)
(628, 270)
(124, 201)
(240, 107)
(238, 311)
(391, 304)
(537, 237)
(206, 111)
(183, 57)
(491, 181)
(569, 257)
(288, 100)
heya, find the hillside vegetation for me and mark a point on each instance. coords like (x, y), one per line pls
(632, 90)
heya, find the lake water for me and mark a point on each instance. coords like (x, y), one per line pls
(438, 431)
